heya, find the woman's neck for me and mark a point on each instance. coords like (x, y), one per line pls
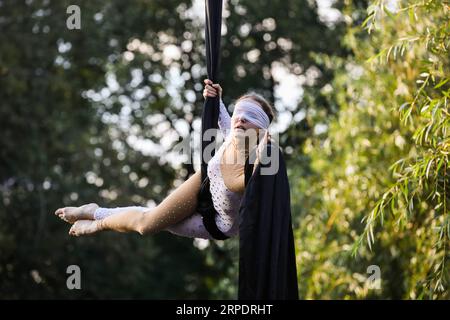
(241, 144)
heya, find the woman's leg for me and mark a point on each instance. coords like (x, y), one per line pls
(102, 213)
(191, 227)
(91, 211)
(177, 206)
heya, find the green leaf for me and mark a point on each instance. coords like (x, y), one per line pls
(411, 15)
(440, 84)
(439, 165)
(388, 12)
(370, 16)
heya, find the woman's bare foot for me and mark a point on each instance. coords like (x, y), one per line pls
(84, 227)
(73, 214)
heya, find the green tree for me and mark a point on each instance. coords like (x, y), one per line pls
(383, 160)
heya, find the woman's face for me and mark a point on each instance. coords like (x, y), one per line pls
(239, 124)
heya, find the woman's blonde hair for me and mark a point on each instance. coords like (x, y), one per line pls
(265, 105)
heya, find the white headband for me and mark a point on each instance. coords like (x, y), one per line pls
(251, 112)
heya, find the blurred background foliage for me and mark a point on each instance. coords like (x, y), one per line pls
(94, 115)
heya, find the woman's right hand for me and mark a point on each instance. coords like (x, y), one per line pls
(211, 89)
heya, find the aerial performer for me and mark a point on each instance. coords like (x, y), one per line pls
(177, 212)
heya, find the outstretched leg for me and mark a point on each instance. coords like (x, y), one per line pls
(177, 206)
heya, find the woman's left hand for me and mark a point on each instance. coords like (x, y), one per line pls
(211, 90)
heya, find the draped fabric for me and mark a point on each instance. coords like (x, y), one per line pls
(267, 268)
(267, 264)
(210, 115)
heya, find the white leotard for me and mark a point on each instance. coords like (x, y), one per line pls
(225, 202)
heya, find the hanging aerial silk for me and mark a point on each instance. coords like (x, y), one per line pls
(267, 266)
(210, 115)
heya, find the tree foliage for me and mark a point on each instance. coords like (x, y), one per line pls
(383, 161)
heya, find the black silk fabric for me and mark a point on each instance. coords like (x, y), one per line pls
(267, 264)
(267, 268)
(210, 114)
